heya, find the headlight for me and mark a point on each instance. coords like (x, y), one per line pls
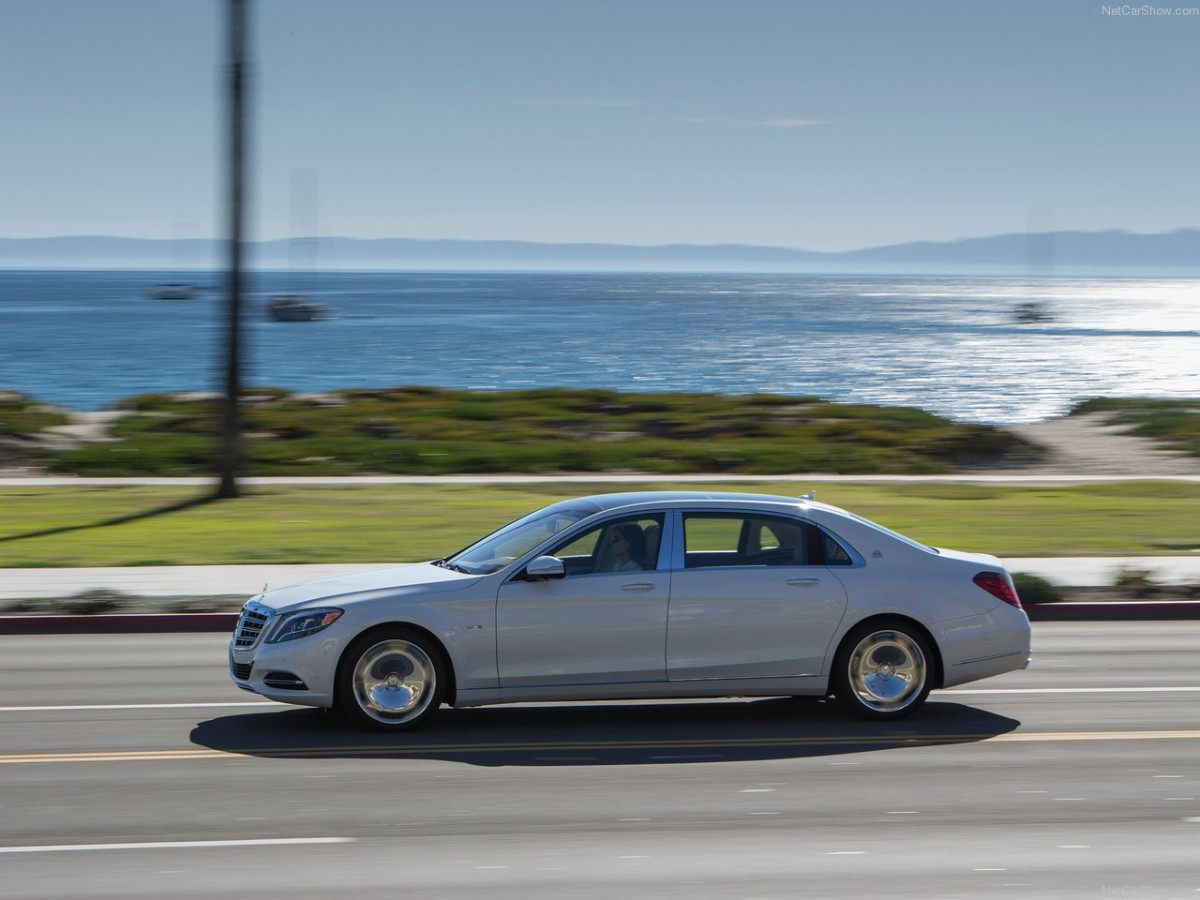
(302, 624)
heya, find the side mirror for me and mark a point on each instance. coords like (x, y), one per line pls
(544, 568)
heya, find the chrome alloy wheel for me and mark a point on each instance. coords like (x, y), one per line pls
(394, 681)
(887, 671)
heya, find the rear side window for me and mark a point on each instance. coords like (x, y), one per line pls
(835, 553)
(727, 539)
(713, 540)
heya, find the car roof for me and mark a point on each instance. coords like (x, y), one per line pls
(606, 502)
(599, 504)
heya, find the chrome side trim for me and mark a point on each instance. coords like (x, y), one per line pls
(978, 659)
(743, 677)
(577, 684)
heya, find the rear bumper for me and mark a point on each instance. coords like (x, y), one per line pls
(982, 646)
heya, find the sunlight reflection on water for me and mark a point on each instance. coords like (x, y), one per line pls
(949, 345)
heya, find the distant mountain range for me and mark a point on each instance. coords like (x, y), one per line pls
(1061, 252)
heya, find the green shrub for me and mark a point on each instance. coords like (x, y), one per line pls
(1136, 581)
(22, 415)
(434, 431)
(1035, 589)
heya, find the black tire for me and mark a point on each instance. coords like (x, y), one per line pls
(391, 679)
(884, 669)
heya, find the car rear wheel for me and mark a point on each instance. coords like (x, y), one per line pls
(883, 670)
(392, 680)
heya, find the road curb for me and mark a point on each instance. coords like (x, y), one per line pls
(1116, 610)
(149, 623)
(139, 623)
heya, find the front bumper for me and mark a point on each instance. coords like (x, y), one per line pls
(300, 671)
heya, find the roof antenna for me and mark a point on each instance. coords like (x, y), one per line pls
(811, 495)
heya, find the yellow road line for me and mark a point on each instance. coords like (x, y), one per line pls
(893, 740)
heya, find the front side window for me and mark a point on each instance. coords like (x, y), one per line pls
(620, 545)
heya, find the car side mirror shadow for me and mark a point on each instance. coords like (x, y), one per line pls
(544, 568)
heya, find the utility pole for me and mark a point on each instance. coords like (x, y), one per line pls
(230, 452)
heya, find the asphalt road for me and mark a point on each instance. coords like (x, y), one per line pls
(131, 768)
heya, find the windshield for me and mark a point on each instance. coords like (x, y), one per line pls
(516, 539)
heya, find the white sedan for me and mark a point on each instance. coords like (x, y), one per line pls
(642, 595)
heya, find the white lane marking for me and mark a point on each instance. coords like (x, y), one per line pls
(104, 706)
(1079, 690)
(178, 845)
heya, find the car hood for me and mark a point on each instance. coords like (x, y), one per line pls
(416, 577)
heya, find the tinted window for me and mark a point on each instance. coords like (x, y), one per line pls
(835, 553)
(717, 539)
(620, 545)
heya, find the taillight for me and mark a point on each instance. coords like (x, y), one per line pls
(999, 586)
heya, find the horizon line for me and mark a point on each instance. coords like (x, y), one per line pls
(613, 244)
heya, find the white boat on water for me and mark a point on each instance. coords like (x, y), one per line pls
(294, 308)
(175, 291)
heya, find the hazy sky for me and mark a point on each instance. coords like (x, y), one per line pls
(824, 125)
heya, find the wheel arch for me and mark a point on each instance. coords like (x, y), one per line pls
(451, 691)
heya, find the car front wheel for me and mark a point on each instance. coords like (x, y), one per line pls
(391, 680)
(883, 670)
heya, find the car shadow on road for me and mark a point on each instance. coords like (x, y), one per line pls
(600, 734)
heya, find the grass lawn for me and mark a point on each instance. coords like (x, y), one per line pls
(138, 525)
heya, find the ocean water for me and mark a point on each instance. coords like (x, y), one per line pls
(946, 344)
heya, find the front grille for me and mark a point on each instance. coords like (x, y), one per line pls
(241, 671)
(250, 624)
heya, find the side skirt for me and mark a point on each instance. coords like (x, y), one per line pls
(808, 686)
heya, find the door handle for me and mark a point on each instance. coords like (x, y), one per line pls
(637, 586)
(804, 582)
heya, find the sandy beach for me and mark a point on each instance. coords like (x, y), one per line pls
(1087, 445)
